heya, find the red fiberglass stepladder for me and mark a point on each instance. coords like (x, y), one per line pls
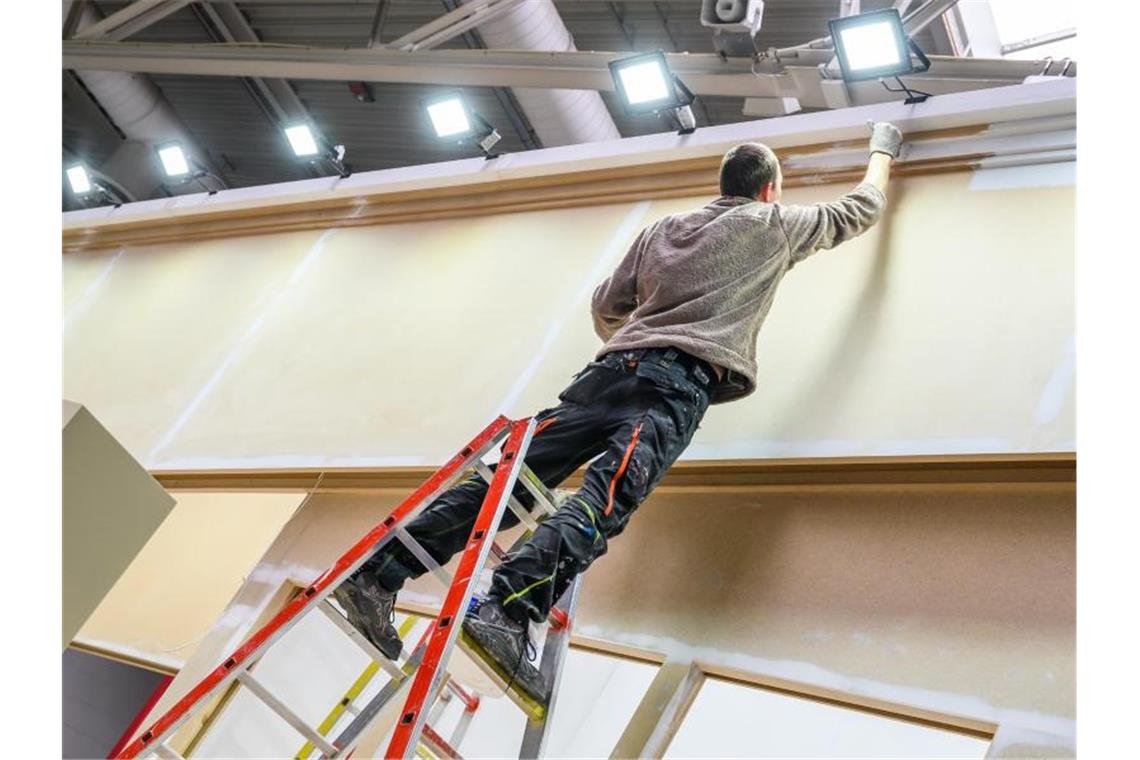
(423, 669)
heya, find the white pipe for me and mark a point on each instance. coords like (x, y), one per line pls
(559, 117)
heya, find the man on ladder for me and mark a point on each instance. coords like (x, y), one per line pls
(679, 318)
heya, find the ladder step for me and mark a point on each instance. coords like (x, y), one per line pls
(543, 496)
(438, 744)
(534, 710)
(246, 679)
(341, 622)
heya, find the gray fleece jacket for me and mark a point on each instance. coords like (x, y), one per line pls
(703, 281)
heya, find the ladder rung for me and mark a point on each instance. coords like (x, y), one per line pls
(276, 705)
(513, 504)
(349, 630)
(420, 553)
(438, 743)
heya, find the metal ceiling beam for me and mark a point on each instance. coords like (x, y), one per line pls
(378, 19)
(132, 19)
(1041, 39)
(977, 29)
(277, 94)
(917, 20)
(703, 73)
(100, 30)
(73, 12)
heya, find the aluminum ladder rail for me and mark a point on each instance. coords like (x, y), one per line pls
(424, 668)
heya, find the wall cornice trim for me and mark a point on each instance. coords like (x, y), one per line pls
(1023, 124)
(736, 475)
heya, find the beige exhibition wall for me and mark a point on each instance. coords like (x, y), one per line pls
(947, 329)
(954, 600)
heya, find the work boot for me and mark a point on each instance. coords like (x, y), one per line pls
(507, 648)
(371, 609)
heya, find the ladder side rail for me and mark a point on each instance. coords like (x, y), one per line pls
(441, 703)
(261, 640)
(474, 558)
(513, 504)
(470, 705)
(554, 653)
(461, 727)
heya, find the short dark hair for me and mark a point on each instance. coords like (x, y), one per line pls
(747, 168)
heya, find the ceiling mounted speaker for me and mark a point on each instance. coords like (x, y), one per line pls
(732, 15)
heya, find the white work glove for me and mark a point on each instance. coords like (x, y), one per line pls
(885, 138)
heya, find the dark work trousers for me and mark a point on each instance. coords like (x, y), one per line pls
(638, 410)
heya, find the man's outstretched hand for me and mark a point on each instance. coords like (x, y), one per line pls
(885, 138)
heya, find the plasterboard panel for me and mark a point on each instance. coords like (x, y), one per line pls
(173, 591)
(141, 345)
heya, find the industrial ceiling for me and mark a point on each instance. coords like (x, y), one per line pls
(145, 94)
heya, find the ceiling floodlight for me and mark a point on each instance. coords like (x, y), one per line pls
(449, 117)
(452, 119)
(875, 46)
(301, 140)
(646, 84)
(311, 146)
(173, 159)
(78, 179)
(93, 189)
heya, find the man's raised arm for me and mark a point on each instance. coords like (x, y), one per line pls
(826, 225)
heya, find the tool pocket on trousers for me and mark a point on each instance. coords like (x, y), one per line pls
(683, 400)
(587, 385)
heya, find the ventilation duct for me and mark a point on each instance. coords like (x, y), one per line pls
(144, 116)
(559, 117)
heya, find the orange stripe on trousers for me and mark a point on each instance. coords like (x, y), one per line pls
(621, 468)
